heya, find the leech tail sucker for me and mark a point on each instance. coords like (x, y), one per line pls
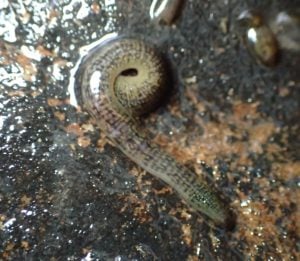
(122, 79)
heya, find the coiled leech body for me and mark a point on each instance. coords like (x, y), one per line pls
(122, 79)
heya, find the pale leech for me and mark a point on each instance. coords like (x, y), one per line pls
(123, 78)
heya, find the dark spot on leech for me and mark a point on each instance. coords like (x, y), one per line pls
(130, 72)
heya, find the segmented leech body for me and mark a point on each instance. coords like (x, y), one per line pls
(123, 78)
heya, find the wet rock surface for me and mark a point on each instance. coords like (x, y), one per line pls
(67, 193)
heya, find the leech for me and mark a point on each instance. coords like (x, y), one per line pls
(259, 39)
(165, 11)
(120, 80)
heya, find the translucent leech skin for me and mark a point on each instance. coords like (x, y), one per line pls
(124, 78)
(259, 38)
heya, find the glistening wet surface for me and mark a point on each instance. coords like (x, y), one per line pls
(68, 193)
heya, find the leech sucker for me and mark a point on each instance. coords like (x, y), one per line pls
(122, 79)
